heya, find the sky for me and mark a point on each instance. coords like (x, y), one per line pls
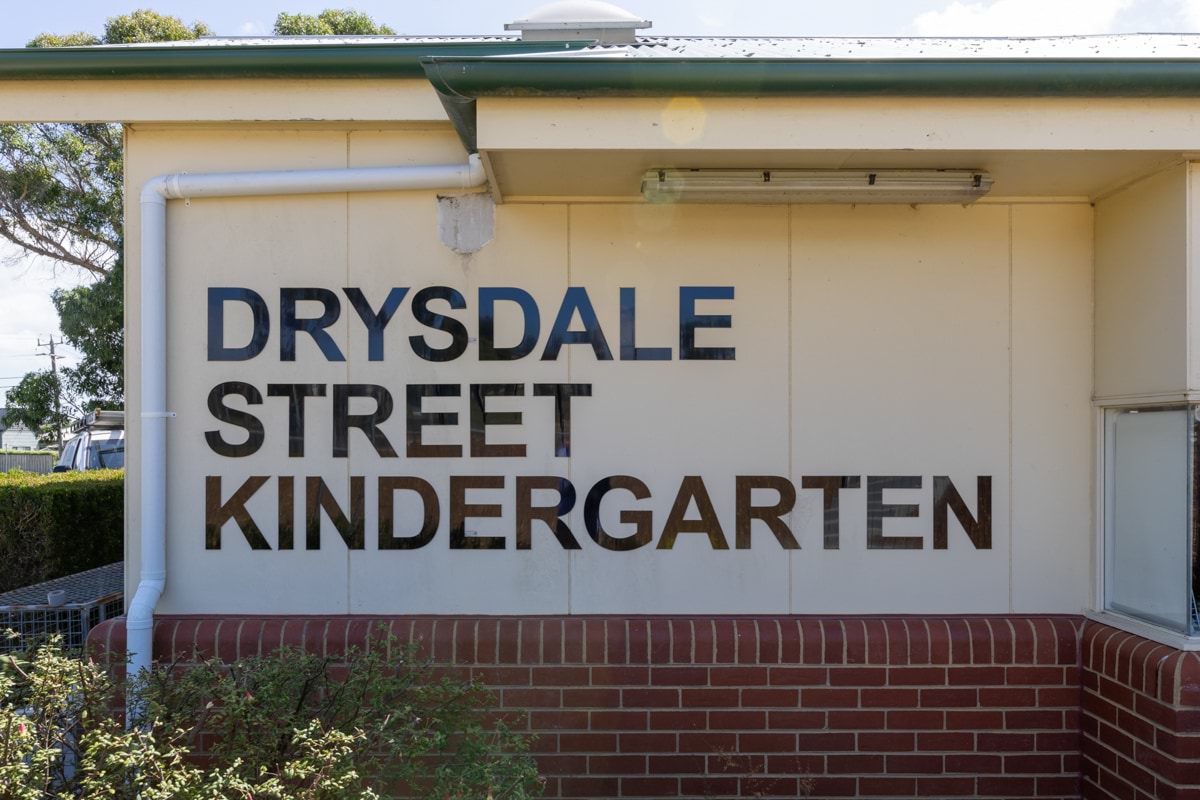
(24, 20)
(25, 309)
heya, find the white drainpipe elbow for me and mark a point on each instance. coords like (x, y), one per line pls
(139, 623)
(475, 175)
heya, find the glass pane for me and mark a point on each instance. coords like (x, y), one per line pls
(1147, 519)
(107, 454)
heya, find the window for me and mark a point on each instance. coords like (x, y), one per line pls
(106, 454)
(67, 459)
(1150, 558)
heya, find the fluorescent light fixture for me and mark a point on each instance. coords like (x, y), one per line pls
(815, 186)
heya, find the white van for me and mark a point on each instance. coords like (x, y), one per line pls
(98, 443)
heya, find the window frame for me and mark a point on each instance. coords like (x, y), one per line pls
(1187, 641)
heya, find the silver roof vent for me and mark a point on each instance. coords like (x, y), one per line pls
(569, 20)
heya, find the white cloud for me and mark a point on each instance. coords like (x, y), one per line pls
(1189, 13)
(1023, 17)
(253, 28)
(26, 314)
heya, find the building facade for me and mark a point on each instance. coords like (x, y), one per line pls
(16, 436)
(744, 410)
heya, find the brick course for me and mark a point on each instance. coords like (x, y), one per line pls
(1140, 718)
(740, 707)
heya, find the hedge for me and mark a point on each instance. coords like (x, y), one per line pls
(59, 524)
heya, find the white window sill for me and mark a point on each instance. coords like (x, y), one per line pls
(1144, 629)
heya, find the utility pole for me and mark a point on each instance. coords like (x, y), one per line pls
(57, 387)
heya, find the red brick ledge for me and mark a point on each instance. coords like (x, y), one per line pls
(908, 641)
(725, 707)
(1141, 717)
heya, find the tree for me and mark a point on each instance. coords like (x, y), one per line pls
(92, 320)
(140, 26)
(32, 405)
(61, 198)
(330, 22)
(60, 192)
(60, 185)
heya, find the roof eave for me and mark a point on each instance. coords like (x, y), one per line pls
(460, 81)
(298, 61)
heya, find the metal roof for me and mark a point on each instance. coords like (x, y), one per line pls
(316, 41)
(82, 587)
(1110, 46)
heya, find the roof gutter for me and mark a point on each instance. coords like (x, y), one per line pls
(200, 62)
(460, 81)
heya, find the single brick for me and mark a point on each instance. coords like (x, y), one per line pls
(777, 698)
(857, 720)
(887, 742)
(737, 720)
(915, 764)
(887, 787)
(917, 676)
(650, 698)
(829, 698)
(650, 787)
(678, 720)
(767, 742)
(648, 742)
(824, 742)
(916, 720)
(619, 720)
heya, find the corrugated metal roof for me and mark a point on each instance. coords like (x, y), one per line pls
(263, 41)
(82, 587)
(866, 48)
(1133, 46)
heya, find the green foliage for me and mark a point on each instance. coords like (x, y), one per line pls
(92, 318)
(59, 524)
(284, 728)
(32, 403)
(46, 697)
(330, 22)
(61, 192)
(79, 39)
(140, 26)
(61, 198)
(61, 185)
(144, 25)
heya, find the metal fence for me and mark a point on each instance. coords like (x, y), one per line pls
(40, 463)
(88, 599)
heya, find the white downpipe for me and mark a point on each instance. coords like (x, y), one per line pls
(139, 624)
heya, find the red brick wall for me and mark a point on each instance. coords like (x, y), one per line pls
(1141, 718)
(728, 707)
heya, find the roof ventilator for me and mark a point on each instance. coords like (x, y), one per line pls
(570, 20)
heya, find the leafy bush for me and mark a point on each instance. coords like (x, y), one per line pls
(59, 524)
(285, 726)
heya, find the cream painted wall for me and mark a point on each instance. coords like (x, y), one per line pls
(870, 341)
(219, 101)
(1142, 289)
(837, 123)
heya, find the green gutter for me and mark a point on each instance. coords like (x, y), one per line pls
(459, 81)
(717, 77)
(247, 61)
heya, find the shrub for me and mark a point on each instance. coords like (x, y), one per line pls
(59, 524)
(284, 726)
